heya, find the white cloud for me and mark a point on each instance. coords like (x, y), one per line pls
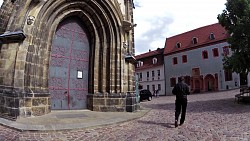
(158, 19)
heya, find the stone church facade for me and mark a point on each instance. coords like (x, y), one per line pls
(66, 55)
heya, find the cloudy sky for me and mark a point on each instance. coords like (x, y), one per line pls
(159, 19)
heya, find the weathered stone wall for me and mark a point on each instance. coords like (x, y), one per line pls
(9, 95)
(35, 105)
(105, 102)
(24, 65)
(9, 102)
(5, 13)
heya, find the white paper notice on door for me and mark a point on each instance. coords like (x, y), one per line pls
(79, 74)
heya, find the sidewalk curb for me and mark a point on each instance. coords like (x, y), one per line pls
(94, 123)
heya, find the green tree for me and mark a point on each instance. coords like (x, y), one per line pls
(236, 20)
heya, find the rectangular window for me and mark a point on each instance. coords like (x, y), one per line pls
(159, 72)
(205, 54)
(225, 50)
(147, 87)
(172, 82)
(228, 75)
(147, 73)
(184, 59)
(140, 77)
(153, 73)
(215, 52)
(153, 87)
(159, 86)
(175, 61)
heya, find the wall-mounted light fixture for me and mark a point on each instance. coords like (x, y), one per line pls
(127, 25)
(12, 37)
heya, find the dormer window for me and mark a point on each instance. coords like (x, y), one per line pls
(139, 64)
(178, 45)
(154, 60)
(211, 36)
(195, 40)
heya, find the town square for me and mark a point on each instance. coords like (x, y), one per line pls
(124, 70)
(210, 116)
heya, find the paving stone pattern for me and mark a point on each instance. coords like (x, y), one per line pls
(210, 117)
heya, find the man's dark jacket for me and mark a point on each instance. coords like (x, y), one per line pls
(181, 90)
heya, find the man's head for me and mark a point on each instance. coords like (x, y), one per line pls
(181, 79)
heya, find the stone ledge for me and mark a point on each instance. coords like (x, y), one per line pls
(105, 102)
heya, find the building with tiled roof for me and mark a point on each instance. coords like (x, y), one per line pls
(197, 55)
(150, 70)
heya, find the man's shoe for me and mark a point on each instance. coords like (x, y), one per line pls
(176, 123)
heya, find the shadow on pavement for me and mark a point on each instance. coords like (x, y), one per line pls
(222, 106)
(167, 125)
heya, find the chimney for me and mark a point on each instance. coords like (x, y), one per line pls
(149, 50)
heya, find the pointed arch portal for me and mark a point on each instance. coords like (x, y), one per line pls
(69, 65)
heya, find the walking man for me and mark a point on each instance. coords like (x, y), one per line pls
(181, 90)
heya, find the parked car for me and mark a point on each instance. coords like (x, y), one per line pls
(145, 95)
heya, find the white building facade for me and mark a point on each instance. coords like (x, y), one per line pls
(198, 56)
(150, 71)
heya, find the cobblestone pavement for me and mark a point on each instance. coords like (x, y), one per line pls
(210, 117)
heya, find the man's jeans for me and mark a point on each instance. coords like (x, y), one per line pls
(180, 107)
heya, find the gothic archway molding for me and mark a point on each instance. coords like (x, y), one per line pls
(24, 83)
(103, 33)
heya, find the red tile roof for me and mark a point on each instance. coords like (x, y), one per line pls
(150, 53)
(147, 59)
(148, 66)
(202, 34)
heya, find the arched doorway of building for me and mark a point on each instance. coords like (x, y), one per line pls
(197, 86)
(209, 82)
(69, 63)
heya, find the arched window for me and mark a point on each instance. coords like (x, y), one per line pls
(139, 64)
(212, 36)
(178, 45)
(154, 60)
(195, 40)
